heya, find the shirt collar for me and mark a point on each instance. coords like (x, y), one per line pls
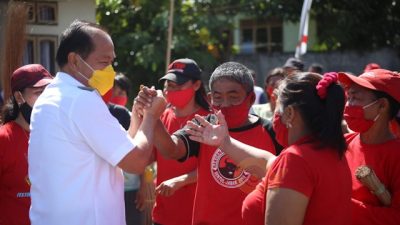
(67, 78)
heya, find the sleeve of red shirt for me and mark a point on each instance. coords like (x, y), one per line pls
(293, 172)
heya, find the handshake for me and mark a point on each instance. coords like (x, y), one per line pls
(150, 102)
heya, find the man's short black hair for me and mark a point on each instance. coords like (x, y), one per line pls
(76, 38)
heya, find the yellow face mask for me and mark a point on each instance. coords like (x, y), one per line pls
(101, 80)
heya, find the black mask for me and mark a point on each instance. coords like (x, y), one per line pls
(26, 111)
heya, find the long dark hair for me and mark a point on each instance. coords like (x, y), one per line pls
(200, 97)
(10, 111)
(323, 117)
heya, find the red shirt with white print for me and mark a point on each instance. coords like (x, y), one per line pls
(221, 184)
(14, 183)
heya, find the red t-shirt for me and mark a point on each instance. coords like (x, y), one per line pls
(176, 209)
(253, 212)
(14, 183)
(318, 174)
(221, 184)
(384, 159)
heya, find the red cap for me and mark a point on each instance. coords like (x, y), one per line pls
(32, 75)
(379, 79)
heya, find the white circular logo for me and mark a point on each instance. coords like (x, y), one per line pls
(225, 172)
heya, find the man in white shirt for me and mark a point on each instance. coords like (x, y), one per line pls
(76, 145)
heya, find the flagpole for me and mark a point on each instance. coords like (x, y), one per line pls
(301, 47)
(170, 30)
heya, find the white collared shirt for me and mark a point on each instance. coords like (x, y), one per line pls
(74, 148)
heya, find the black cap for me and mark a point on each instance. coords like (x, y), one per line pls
(182, 70)
(294, 63)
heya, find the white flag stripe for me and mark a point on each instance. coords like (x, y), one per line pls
(301, 47)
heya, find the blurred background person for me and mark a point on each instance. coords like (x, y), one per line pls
(292, 66)
(272, 80)
(316, 68)
(371, 66)
(258, 91)
(27, 83)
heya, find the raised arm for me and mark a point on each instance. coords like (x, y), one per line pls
(169, 146)
(252, 159)
(142, 132)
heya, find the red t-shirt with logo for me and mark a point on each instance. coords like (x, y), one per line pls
(176, 209)
(384, 159)
(14, 183)
(320, 175)
(221, 184)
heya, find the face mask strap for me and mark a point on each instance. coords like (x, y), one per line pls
(372, 103)
(86, 65)
(377, 117)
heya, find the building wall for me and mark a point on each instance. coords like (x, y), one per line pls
(68, 11)
(348, 61)
(290, 33)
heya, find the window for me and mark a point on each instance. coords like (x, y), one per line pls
(31, 12)
(42, 50)
(262, 36)
(43, 12)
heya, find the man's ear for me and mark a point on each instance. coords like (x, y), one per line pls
(73, 59)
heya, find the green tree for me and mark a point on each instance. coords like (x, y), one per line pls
(139, 32)
(202, 29)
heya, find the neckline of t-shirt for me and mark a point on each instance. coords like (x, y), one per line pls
(246, 127)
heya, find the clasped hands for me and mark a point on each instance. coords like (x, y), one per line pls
(149, 101)
(203, 131)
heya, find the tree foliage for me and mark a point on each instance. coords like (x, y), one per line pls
(202, 29)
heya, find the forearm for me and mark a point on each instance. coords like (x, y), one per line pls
(252, 159)
(144, 139)
(167, 146)
(188, 178)
(134, 124)
(377, 215)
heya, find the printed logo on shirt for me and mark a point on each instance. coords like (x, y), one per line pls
(23, 195)
(226, 173)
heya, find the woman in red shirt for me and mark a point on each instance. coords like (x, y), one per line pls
(176, 181)
(27, 83)
(309, 182)
(372, 105)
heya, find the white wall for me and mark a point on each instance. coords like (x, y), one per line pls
(68, 11)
